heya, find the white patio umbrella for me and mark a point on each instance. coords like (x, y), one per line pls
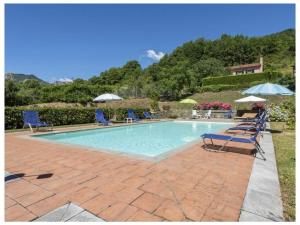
(107, 97)
(250, 99)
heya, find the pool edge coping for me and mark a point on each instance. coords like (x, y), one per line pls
(253, 209)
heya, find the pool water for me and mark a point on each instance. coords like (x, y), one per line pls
(150, 140)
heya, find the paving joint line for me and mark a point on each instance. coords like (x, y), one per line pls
(258, 215)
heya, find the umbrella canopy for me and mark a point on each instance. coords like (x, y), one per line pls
(188, 101)
(107, 97)
(268, 89)
(250, 99)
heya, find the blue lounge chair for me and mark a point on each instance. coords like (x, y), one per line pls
(133, 116)
(31, 119)
(259, 126)
(100, 117)
(256, 122)
(147, 115)
(228, 138)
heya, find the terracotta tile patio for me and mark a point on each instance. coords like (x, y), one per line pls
(191, 185)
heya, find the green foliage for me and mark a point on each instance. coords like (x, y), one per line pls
(241, 79)
(31, 83)
(11, 90)
(13, 118)
(80, 91)
(208, 67)
(64, 116)
(154, 106)
(184, 70)
(288, 81)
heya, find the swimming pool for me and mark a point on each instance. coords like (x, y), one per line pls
(148, 140)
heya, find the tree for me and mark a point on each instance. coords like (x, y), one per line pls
(11, 91)
(207, 67)
(31, 83)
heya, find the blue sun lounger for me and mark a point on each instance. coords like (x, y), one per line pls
(31, 119)
(147, 115)
(100, 117)
(259, 126)
(228, 138)
(133, 116)
(257, 121)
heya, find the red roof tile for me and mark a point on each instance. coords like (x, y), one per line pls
(246, 66)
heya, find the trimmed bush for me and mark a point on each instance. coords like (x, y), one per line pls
(64, 116)
(244, 79)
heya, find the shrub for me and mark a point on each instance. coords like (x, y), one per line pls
(64, 116)
(277, 113)
(154, 105)
(245, 79)
(284, 112)
(288, 81)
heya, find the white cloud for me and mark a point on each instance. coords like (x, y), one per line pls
(156, 56)
(65, 80)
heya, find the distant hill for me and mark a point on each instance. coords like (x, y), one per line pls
(18, 77)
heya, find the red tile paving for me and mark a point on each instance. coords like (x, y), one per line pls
(143, 216)
(148, 202)
(99, 203)
(9, 202)
(42, 207)
(191, 185)
(34, 197)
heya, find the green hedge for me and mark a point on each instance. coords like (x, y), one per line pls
(241, 79)
(222, 87)
(64, 116)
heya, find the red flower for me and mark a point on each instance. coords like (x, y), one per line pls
(258, 106)
(215, 106)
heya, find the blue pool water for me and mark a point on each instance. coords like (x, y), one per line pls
(149, 140)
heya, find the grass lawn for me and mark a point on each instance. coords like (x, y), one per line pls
(285, 155)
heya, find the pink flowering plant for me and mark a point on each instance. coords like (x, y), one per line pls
(214, 106)
(258, 106)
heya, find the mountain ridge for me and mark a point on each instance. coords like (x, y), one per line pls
(20, 77)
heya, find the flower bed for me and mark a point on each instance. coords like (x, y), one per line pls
(214, 106)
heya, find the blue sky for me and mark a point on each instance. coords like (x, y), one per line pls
(59, 41)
